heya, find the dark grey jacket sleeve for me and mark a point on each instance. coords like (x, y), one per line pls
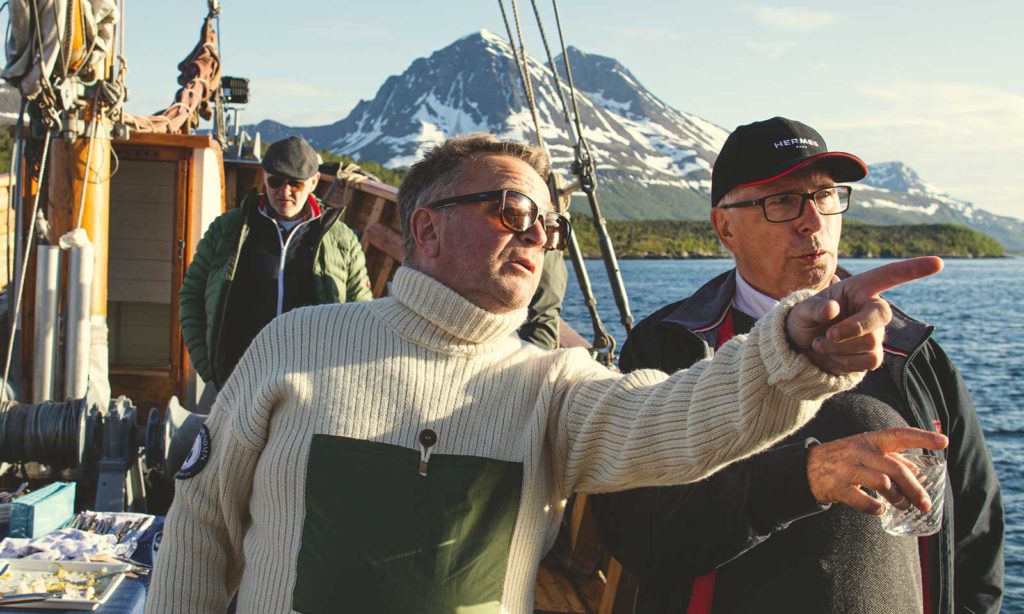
(691, 530)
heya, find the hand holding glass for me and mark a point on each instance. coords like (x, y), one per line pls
(912, 521)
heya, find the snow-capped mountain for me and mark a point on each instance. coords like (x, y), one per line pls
(654, 161)
(637, 140)
(893, 193)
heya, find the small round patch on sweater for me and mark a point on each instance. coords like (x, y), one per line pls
(197, 457)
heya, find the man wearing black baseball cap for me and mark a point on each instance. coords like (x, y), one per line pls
(777, 202)
(278, 250)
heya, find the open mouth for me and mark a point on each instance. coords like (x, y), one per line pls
(523, 263)
(813, 256)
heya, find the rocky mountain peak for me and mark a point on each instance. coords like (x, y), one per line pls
(653, 161)
(898, 177)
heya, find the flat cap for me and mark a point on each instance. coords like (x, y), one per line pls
(291, 157)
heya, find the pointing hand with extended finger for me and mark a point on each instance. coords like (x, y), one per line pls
(837, 470)
(841, 328)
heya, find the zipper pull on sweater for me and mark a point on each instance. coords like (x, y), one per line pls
(427, 440)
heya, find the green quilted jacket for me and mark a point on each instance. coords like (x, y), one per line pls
(339, 270)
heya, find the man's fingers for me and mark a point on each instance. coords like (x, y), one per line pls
(817, 311)
(900, 486)
(876, 281)
(899, 439)
(869, 343)
(861, 501)
(898, 499)
(873, 315)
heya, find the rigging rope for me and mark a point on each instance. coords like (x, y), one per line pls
(554, 73)
(585, 170)
(24, 267)
(511, 44)
(602, 340)
(527, 79)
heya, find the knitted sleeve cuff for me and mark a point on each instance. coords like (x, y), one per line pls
(790, 370)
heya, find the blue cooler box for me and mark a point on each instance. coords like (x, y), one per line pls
(42, 511)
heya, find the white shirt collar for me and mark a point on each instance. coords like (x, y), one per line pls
(750, 300)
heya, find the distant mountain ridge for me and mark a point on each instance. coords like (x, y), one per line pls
(654, 162)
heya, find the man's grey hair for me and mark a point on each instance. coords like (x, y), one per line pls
(441, 170)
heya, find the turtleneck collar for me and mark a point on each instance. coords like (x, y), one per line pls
(459, 320)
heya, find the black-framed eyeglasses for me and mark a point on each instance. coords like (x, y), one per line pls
(790, 205)
(518, 213)
(276, 181)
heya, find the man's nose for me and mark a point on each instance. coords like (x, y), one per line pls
(810, 220)
(535, 235)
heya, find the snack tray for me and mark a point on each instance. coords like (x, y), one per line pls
(34, 568)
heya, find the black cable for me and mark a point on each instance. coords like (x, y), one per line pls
(46, 433)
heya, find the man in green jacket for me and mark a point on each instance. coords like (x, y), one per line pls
(279, 250)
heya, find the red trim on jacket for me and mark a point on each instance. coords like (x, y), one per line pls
(702, 593)
(309, 212)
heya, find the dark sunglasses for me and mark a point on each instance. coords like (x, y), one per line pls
(276, 181)
(518, 213)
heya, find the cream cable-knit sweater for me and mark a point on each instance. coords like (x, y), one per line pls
(384, 370)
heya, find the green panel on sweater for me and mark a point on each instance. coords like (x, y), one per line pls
(379, 537)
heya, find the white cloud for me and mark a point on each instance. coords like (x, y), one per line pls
(650, 34)
(771, 50)
(965, 139)
(297, 103)
(961, 116)
(789, 18)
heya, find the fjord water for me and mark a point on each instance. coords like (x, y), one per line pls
(975, 306)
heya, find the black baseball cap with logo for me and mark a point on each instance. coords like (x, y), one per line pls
(771, 149)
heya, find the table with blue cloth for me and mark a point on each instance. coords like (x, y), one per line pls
(130, 596)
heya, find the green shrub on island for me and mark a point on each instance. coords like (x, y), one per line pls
(676, 239)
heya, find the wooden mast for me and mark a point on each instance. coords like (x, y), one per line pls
(79, 187)
(68, 182)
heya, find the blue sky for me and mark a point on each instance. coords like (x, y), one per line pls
(935, 84)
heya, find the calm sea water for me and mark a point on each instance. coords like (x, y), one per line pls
(975, 306)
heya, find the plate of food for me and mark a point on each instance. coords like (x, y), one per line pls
(58, 585)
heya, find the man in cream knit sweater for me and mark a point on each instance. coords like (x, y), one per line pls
(411, 454)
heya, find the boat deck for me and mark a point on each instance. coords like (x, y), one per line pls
(562, 589)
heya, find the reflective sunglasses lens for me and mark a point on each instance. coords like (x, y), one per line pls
(518, 212)
(276, 181)
(557, 229)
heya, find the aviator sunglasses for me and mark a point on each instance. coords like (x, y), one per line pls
(276, 181)
(518, 213)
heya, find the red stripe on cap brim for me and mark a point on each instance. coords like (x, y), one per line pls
(812, 160)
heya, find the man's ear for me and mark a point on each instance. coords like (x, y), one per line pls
(423, 224)
(314, 180)
(722, 223)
